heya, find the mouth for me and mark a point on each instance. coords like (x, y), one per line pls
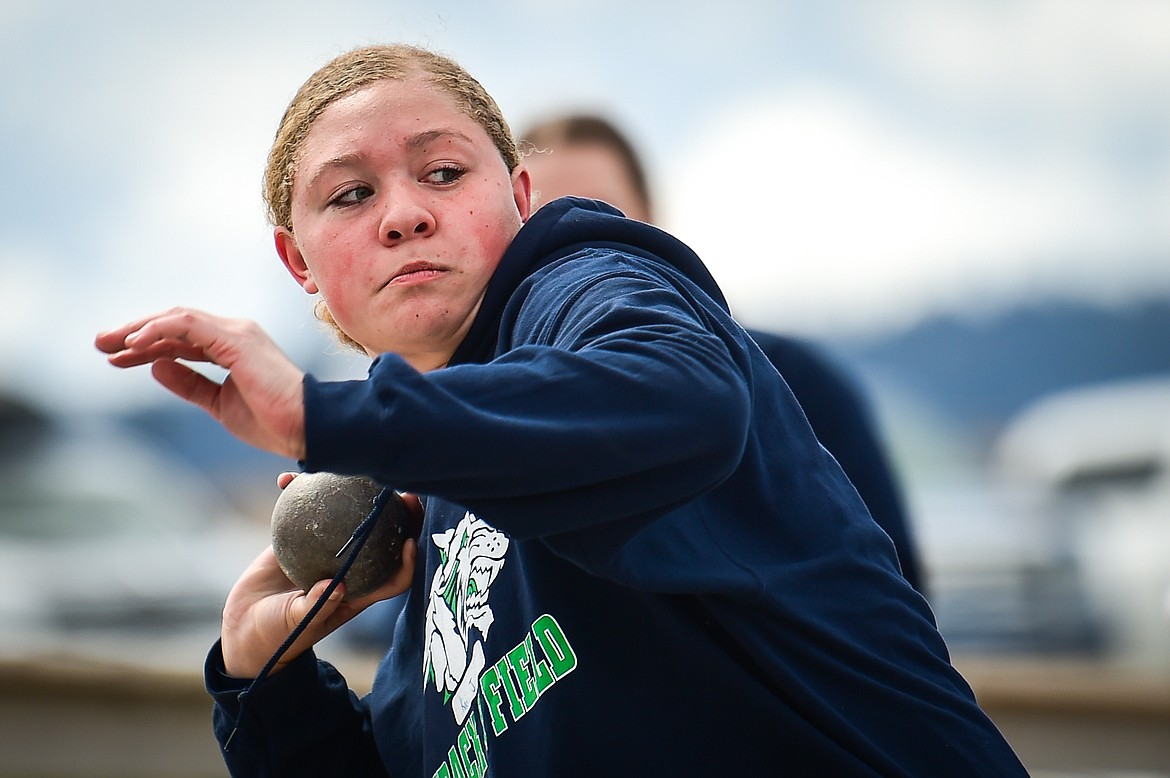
(415, 272)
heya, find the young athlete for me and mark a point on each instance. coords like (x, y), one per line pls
(635, 560)
(586, 155)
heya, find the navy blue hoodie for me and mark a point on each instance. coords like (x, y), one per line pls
(636, 558)
(839, 413)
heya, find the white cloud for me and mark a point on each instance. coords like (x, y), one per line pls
(192, 221)
(1071, 58)
(815, 211)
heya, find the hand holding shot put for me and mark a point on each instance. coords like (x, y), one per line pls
(278, 589)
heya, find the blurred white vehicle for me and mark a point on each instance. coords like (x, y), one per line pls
(1100, 458)
(999, 578)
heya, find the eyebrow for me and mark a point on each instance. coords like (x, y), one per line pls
(415, 142)
(421, 139)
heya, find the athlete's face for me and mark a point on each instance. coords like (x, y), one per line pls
(401, 208)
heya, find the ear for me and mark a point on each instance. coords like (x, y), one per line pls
(522, 191)
(290, 255)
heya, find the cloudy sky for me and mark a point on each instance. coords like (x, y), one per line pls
(842, 165)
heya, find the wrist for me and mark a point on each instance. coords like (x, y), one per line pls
(238, 667)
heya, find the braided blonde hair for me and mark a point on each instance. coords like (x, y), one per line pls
(346, 74)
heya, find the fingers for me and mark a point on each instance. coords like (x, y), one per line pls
(414, 510)
(180, 333)
(177, 324)
(186, 383)
(405, 574)
(397, 584)
(260, 401)
(300, 606)
(113, 341)
(163, 349)
(127, 345)
(334, 612)
(284, 479)
(347, 609)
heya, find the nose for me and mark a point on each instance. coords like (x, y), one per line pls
(404, 217)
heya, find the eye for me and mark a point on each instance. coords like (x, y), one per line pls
(352, 195)
(447, 174)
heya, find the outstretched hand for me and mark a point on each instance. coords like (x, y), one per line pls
(261, 401)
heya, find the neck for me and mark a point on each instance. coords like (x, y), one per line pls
(425, 361)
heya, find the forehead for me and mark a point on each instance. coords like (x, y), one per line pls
(390, 110)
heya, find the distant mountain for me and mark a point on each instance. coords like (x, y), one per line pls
(979, 372)
(182, 430)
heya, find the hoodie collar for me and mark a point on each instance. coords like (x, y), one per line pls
(557, 229)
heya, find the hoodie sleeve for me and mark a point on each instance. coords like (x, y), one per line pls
(620, 392)
(303, 721)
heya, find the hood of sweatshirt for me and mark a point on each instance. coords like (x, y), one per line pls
(558, 229)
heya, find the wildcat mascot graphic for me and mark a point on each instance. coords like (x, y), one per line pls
(471, 556)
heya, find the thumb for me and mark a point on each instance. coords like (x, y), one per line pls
(301, 605)
(186, 383)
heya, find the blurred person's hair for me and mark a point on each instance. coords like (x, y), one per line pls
(590, 130)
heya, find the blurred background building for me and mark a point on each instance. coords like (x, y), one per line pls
(966, 203)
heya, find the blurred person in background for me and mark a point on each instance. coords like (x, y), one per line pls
(586, 155)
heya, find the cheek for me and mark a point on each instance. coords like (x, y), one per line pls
(493, 233)
(337, 272)
(490, 249)
(333, 261)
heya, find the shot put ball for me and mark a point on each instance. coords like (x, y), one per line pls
(317, 513)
